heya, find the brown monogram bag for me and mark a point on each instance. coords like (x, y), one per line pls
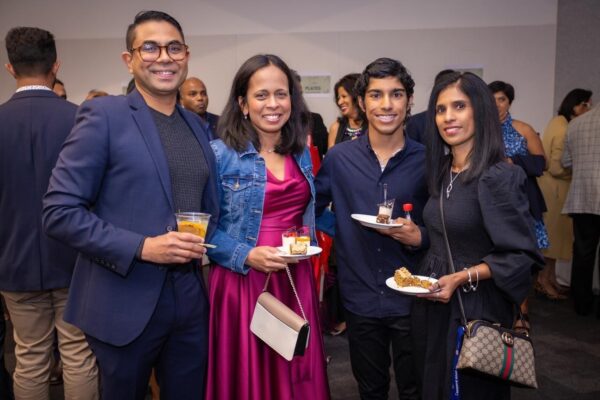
(489, 348)
(498, 352)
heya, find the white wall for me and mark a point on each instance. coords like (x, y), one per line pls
(512, 40)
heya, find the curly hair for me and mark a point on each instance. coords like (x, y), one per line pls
(31, 51)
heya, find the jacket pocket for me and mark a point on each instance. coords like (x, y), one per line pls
(236, 193)
(236, 183)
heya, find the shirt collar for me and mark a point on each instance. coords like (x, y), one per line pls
(32, 87)
(364, 140)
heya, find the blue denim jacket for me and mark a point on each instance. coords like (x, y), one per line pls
(242, 179)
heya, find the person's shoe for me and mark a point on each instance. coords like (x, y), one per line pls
(522, 324)
(549, 294)
(339, 329)
(56, 373)
(560, 289)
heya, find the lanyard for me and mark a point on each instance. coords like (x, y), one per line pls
(455, 393)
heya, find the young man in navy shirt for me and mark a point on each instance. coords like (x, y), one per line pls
(352, 177)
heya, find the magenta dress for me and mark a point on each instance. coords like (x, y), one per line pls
(240, 365)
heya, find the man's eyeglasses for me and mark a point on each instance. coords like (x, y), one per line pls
(150, 51)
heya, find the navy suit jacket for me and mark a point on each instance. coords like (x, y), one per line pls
(110, 188)
(33, 126)
(415, 127)
(212, 120)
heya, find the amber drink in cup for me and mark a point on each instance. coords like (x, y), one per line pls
(193, 222)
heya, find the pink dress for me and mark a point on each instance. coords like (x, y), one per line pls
(240, 365)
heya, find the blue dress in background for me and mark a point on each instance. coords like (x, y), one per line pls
(516, 145)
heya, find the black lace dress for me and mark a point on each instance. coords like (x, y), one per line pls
(487, 220)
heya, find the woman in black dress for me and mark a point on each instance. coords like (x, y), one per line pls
(489, 229)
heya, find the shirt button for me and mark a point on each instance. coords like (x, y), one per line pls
(381, 292)
(169, 228)
(380, 270)
(379, 250)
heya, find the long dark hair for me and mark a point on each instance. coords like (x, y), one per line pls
(572, 99)
(348, 82)
(488, 147)
(237, 132)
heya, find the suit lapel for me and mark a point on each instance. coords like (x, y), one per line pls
(143, 118)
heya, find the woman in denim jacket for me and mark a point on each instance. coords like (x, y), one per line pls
(266, 187)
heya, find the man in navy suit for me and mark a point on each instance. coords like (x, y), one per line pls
(194, 97)
(35, 270)
(129, 164)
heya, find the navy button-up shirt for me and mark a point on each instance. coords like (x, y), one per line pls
(351, 178)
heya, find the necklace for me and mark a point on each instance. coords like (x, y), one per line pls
(353, 132)
(452, 179)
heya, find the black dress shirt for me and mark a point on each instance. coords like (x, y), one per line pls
(351, 178)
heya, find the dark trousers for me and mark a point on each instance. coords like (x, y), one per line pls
(5, 381)
(175, 343)
(370, 340)
(586, 230)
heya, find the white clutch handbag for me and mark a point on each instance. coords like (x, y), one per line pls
(278, 325)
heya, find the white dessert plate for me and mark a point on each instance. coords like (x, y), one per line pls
(370, 222)
(409, 290)
(311, 251)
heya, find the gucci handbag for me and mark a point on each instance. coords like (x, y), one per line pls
(278, 325)
(489, 348)
(498, 352)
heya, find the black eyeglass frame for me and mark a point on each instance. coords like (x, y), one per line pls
(160, 50)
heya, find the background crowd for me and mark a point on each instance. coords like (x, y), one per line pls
(92, 264)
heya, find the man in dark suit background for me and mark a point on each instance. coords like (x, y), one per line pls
(194, 97)
(129, 164)
(5, 381)
(35, 270)
(59, 88)
(415, 125)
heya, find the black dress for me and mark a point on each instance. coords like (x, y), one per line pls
(487, 220)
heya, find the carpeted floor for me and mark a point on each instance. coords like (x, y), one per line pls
(567, 350)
